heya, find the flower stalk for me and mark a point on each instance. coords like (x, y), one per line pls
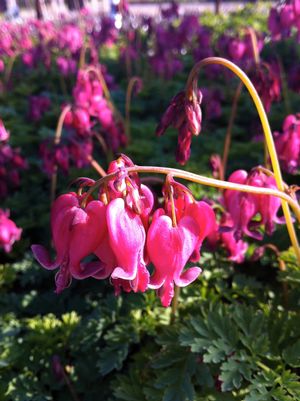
(199, 179)
(191, 89)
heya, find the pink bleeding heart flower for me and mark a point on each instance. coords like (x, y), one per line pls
(4, 135)
(236, 49)
(216, 166)
(267, 206)
(243, 207)
(127, 240)
(76, 233)
(266, 79)
(183, 113)
(169, 248)
(224, 236)
(106, 257)
(236, 249)
(205, 217)
(81, 121)
(287, 16)
(288, 144)
(9, 232)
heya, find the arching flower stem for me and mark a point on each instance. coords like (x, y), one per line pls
(212, 182)
(191, 90)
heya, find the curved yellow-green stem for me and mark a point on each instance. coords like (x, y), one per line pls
(191, 86)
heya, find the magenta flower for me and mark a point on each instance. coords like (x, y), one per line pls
(81, 121)
(236, 248)
(9, 232)
(178, 238)
(125, 227)
(76, 233)
(4, 135)
(288, 144)
(176, 244)
(267, 82)
(225, 237)
(70, 38)
(236, 49)
(205, 217)
(243, 207)
(287, 17)
(185, 115)
(66, 66)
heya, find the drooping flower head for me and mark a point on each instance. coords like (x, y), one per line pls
(225, 236)
(9, 232)
(244, 207)
(174, 238)
(76, 233)
(4, 135)
(120, 236)
(183, 113)
(288, 144)
(267, 82)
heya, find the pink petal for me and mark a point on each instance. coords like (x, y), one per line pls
(42, 256)
(141, 282)
(166, 293)
(86, 235)
(127, 239)
(187, 277)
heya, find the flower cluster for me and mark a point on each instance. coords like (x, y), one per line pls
(288, 143)
(91, 108)
(11, 164)
(245, 214)
(224, 235)
(9, 232)
(183, 113)
(71, 151)
(239, 49)
(266, 79)
(91, 115)
(283, 18)
(125, 234)
(244, 207)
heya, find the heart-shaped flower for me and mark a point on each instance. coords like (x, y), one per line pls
(76, 234)
(169, 248)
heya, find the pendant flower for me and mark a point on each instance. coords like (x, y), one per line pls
(183, 113)
(243, 207)
(9, 232)
(76, 233)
